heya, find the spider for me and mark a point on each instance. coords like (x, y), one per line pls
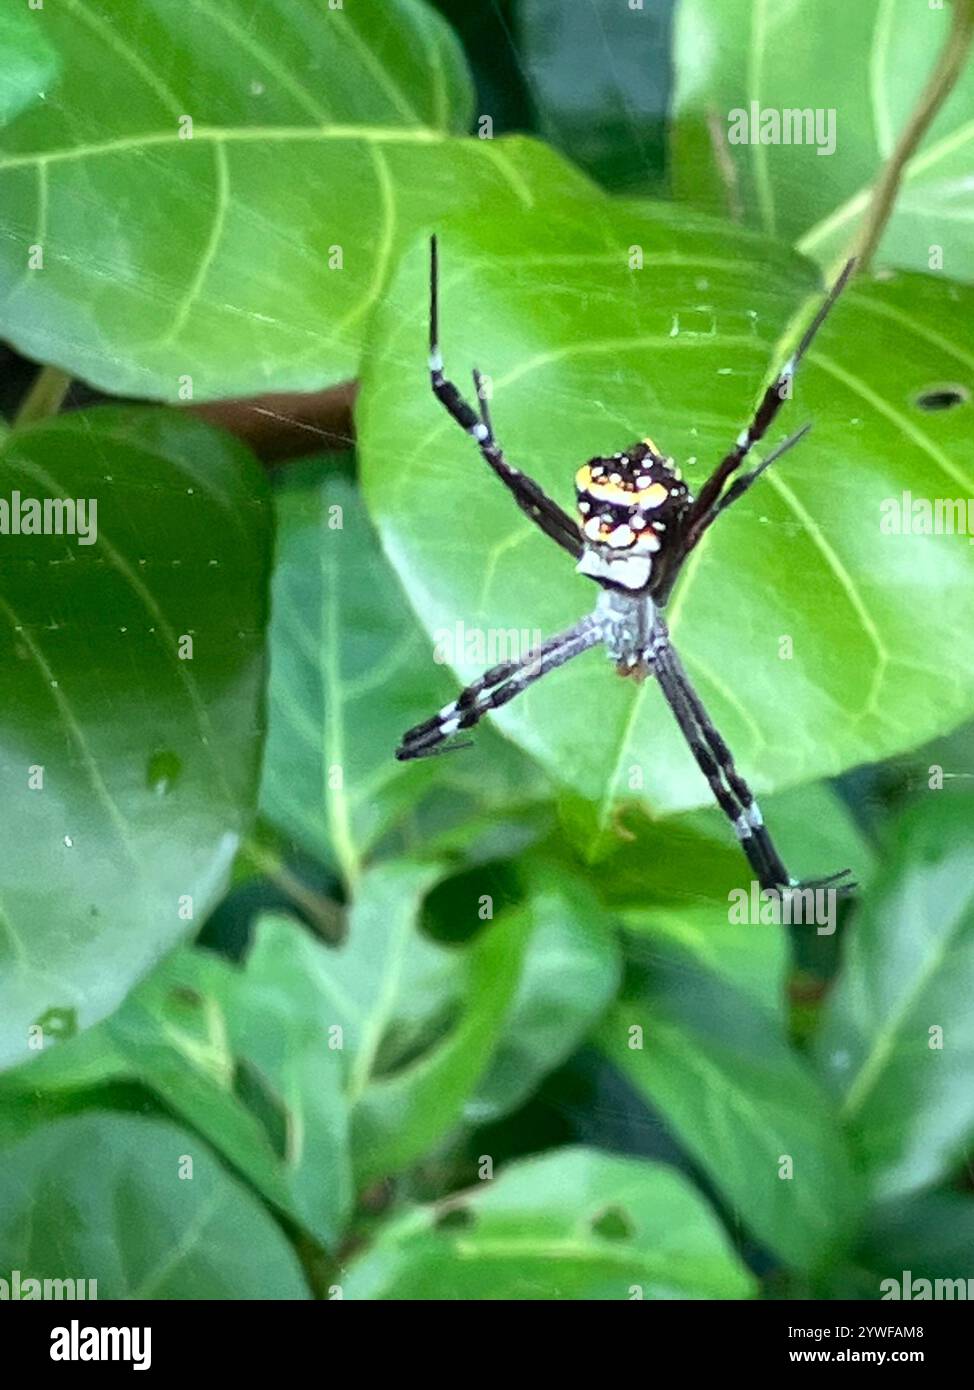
(637, 524)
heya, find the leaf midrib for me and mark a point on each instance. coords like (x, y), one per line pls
(879, 1054)
(377, 134)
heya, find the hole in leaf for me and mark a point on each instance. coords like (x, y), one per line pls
(58, 1023)
(454, 1219)
(613, 1224)
(943, 397)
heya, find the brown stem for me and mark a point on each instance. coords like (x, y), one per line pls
(290, 424)
(940, 84)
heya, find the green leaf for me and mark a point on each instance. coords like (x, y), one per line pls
(351, 671)
(573, 1224)
(149, 758)
(931, 1235)
(109, 1198)
(240, 1055)
(571, 972)
(909, 972)
(36, 66)
(696, 857)
(275, 1028)
(785, 58)
(585, 356)
(419, 1021)
(696, 868)
(249, 256)
(754, 959)
(254, 1059)
(742, 1103)
(597, 74)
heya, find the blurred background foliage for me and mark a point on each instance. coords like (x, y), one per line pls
(485, 930)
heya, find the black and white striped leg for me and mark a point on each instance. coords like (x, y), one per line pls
(728, 786)
(748, 821)
(482, 401)
(771, 402)
(747, 480)
(496, 687)
(754, 848)
(531, 498)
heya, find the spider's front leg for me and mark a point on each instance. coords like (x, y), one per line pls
(531, 498)
(495, 687)
(712, 499)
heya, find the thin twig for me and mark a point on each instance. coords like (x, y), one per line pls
(940, 84)
(45, 397)
(324, 914)
(726, 168)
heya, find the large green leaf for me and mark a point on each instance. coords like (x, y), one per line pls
(673, 884)
(905, 1087)
(141, 1207)
(696, 858)
(211, 263)
(240, 1055)
(573, 1224)
(419, 1022)
(351, 670)
(598, 77)
(717, 1067)
(931, 1235)
(753, 958)
(571, 972)
(254, 1059)
(783, 55)
(149, 745)
(585, 355)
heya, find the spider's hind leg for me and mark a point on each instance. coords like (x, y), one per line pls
(731, 792)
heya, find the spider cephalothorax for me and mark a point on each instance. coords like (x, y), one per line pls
(637, 523)
(629, 505)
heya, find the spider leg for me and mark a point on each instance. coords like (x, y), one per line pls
(496, 687)
(529, 496)
(754, 848)
(482, 401)
(740, 485)
(771, 402)
(730, 790)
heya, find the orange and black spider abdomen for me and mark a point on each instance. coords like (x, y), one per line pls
(630, 510)
(629, 501)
